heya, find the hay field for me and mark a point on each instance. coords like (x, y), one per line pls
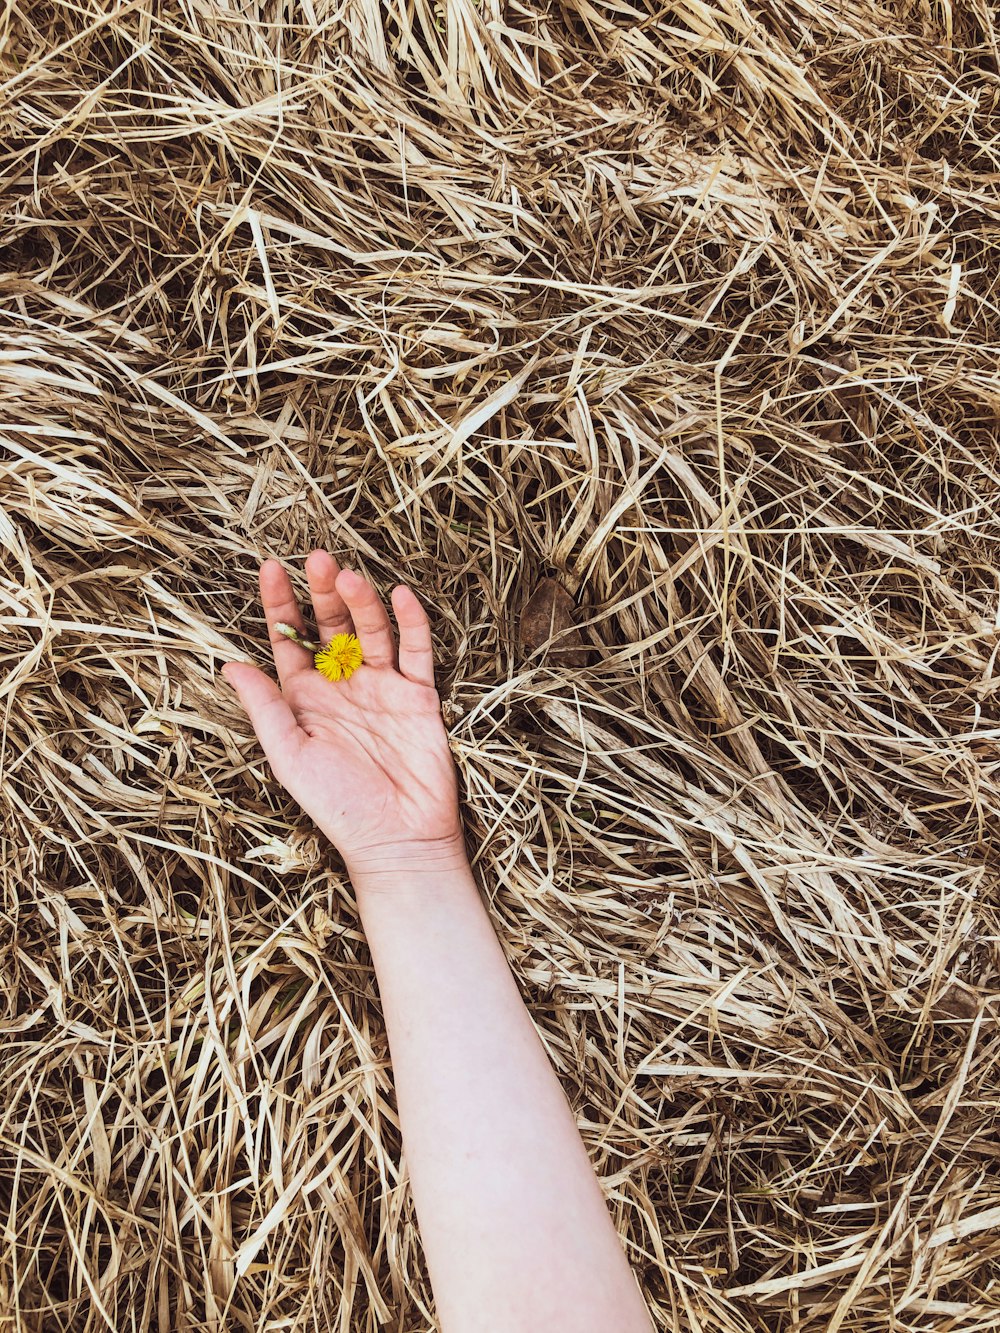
(690, 308)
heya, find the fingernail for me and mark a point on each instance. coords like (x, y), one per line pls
(352, 579)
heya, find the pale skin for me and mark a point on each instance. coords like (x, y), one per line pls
(514, 1225)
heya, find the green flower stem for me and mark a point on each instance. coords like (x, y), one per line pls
(295, 637)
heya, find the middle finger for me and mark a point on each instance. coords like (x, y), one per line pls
(332, 615)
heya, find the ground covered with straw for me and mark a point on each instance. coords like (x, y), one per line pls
(657, 347)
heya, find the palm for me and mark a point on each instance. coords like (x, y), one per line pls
(373, 756)
(366, 757)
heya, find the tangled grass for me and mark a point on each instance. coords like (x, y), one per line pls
(690, 308)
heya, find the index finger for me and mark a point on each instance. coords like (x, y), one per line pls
(280, 605)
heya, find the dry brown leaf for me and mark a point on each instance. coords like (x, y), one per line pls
(550, 612)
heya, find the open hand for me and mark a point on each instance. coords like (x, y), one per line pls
(366, 757)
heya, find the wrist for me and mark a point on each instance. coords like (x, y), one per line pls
(420, 860)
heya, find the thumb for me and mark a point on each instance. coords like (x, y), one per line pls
(273, 720)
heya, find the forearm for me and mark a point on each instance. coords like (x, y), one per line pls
(515, 1228)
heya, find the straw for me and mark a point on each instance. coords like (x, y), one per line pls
(690, 312)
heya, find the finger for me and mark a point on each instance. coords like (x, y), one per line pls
(329, 608)
(371, 621)
(273, 721)
(280, 605)
(416, 649)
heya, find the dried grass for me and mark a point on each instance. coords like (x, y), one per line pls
(692, 308)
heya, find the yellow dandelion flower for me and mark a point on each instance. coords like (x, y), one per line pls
(340, 658)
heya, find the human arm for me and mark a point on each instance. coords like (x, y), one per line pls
(514, 1225)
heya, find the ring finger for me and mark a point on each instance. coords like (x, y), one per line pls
(371, 622)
